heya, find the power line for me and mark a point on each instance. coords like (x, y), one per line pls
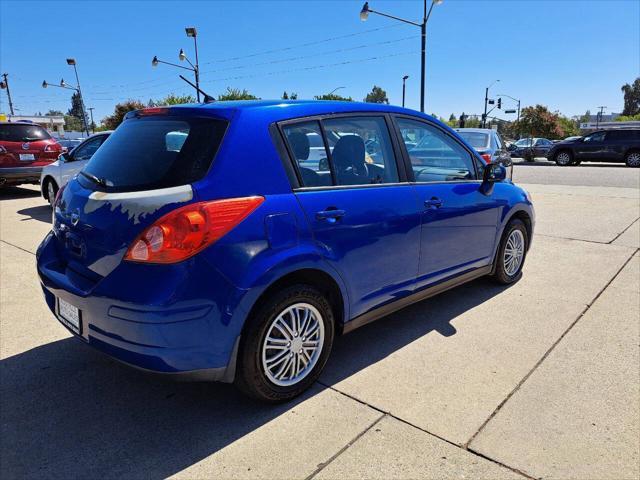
(267, 52)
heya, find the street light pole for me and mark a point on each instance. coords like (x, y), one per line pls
(72, 62)
(335, 90)
(515, 100)
(192, 32)
(93, 125)
(5, 85)
(364, 14)
(404, 81)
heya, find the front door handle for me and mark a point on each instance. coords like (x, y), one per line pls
(434, 202)
(331, 215)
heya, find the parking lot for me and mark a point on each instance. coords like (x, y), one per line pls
(540, 379)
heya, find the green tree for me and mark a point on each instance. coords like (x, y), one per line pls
(286, 96)
(538, 121)
(236, 94)
(54, 113)
(453, 120)
(75, 112)
(376, 95)
(631, 98)
(570, 128)
(628, 118)
(172, 99)
(333, 96)
(111, 122)
(586, 118)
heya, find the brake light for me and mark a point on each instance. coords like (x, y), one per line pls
(187, 230)
(486, 157)
(153, 111)
(2, 149)
(51, 147)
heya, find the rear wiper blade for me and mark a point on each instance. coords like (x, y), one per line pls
(100, 181)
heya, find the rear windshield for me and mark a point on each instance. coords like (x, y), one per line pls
(475, 139)
(21, 132)
(156, 152)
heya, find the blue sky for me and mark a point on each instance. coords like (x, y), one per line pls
(570, 55)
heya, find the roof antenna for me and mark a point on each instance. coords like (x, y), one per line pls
(207, 98)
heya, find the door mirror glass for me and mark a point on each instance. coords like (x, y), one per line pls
(494, 172)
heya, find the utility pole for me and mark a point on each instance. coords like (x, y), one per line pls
(5, 84)
(599, 116)
(93, 125)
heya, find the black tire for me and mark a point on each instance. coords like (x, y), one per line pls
(50, 182)
(632, 159)
(563, 158)
(250, 374)
(500, 275)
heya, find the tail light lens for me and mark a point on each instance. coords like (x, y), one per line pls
(52, 147)
(2, 149)
(187, 230)
(486, 157)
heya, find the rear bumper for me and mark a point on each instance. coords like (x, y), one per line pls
(16, 175)
(169, 326)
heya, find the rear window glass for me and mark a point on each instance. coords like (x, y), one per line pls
(475, 139)
(21, 132)
(156, 152)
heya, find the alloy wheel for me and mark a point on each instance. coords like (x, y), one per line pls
(633, 159)
(293, 344)
(563, 158)
(513, 252)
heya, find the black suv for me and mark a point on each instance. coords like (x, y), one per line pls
(604, 146)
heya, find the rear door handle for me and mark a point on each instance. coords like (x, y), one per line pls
(331, 214)
(434, 202)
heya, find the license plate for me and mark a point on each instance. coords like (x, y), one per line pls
(26, 157)
(69, 315)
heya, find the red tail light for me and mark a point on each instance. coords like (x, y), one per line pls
(188, 230)
(486, 157)
(52, 147)
(2, 149)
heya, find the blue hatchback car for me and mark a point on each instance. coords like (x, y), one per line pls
(232, 241)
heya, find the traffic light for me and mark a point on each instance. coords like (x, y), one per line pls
(499, 103)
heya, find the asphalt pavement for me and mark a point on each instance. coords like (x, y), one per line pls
(540, 379)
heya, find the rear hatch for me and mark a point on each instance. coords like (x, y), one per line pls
(26, 145)
(142, 171)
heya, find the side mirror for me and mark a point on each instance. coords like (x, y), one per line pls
(66, 157)
(494, 172)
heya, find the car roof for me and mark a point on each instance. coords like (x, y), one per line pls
(478, 130)
(283, 109)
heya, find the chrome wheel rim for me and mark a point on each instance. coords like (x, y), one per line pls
(51, 194)
(563, 158)
(634, 160)
(513, 252)
(293, 344)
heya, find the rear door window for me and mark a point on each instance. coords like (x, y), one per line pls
(156, 152)
(86, 150)
(361, 150)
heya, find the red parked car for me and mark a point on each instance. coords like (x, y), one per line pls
(24, 149)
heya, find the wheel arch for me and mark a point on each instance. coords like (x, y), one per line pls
(315, 277)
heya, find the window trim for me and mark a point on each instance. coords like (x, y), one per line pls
(291, 162)
(475, 157)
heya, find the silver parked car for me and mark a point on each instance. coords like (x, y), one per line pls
(55, 175)
(487, 142)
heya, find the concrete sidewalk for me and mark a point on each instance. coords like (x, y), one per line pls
(537, 380)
